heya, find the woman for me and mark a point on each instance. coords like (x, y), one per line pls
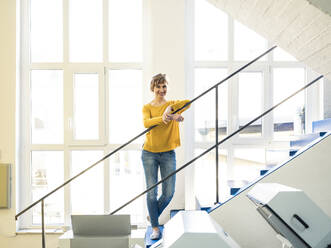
(158, 150)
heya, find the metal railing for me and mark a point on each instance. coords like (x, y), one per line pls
(217, 143)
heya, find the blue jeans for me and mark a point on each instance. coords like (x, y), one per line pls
(166, 161)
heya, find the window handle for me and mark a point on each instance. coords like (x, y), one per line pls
(70, 123)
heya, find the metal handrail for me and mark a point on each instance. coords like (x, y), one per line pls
(217, 144)
(142, 133)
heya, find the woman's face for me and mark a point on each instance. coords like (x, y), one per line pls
(160, 90)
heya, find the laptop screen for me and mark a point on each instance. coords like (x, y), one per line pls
(101, 225)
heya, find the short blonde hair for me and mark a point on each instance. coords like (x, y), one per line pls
(157, 80)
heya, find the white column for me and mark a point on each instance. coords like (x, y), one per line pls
(167, 52)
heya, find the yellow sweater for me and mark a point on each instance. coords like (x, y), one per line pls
(164, 137)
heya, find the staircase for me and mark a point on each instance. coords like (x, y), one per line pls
(306, 170)
(304, 143)
(189, 228)
(297, 144)
(230, 215)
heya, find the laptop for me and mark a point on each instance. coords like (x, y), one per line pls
(101, 225)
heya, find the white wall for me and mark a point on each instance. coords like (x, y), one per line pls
(165, 48)
(7, 101)
(309, 171)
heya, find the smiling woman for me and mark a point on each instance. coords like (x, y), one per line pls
(158, 151)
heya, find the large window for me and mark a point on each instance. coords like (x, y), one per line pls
(82, 95)
(222, 45)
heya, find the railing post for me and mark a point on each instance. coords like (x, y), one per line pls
(43, 224)
(216, 137)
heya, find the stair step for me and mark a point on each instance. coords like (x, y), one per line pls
(322, 125)
(173, 212)
(207, 209)
(234, 191)
(194, 229)
(263, 172)
(149, 242)
(292, 152)
(303, 140)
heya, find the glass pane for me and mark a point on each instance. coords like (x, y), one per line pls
(87, 192)
(47, 106)
(127, 180)
(247, 44)
(250, 103)
(46, 31)
(281, 55)
(205, 109)
(211, 32)
(205, 177)
(246, 167)
(85, 31)
(86, 106)
(289, 118)
(125, 31)
(125, 118)
(46, 175)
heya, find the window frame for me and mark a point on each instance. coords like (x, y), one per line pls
(24, 195)
(313, 112)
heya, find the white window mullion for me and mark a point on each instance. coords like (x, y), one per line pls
(106, 171)
(268, 96)
(105, 103)
(313, 95)
(231, 86)
(268, 100)
(65, 32)
(68, 103)
(102, 106)
(233, 105)
(123, 66)
(211, 64)
(230, 39)
(105, 31)
(46, 66)
(67, 198)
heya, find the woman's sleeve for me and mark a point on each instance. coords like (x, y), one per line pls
(179, 104)
(148, 121)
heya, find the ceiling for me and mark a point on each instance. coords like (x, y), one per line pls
(300, 27)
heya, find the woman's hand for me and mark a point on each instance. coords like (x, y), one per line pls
(177, 117)
(166, 117)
